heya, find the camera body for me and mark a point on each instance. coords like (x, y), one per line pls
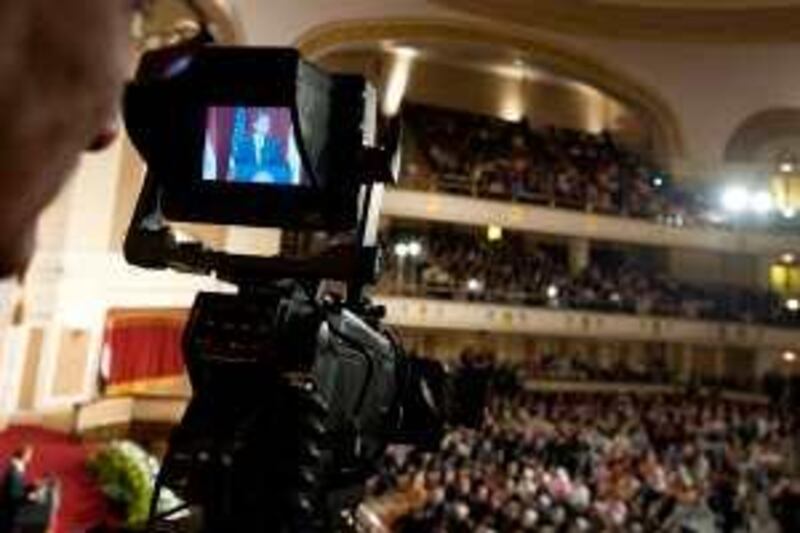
(295, 392)
(294, 400)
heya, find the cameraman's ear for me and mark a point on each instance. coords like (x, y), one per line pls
(104, 138)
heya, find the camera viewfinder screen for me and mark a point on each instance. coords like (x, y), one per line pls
(251, 145)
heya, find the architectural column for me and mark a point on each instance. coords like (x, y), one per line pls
(684, 366)
(765, 362)
(719, 362)
(66, 294)
(763, 272)
(8, 296)
(579, 255)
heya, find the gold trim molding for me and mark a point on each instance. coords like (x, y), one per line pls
(759, 129)
(755, 23)
(369, 32)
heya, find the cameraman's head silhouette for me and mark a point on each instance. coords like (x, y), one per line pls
(62, 66)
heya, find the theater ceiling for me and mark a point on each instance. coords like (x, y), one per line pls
(728, 21)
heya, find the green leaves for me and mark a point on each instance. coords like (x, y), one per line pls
(126, 474)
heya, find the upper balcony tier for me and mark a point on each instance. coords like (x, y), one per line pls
(482, 170)
(460, 209)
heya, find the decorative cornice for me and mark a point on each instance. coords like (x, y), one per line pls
(720, 23)
(329, 37)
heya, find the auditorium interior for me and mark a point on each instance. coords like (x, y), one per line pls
(598, 200)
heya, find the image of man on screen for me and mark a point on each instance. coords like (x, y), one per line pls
(258, 156)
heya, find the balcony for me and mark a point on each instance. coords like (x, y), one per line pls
(432, 314)
(451, 208)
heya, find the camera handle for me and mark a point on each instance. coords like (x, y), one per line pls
(301, 501)
(213, 452)
(150, 243)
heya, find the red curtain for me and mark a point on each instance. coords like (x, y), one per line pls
(220, 129)
(142, 350)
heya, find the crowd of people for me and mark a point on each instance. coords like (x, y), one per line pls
(611, 368)
(461, 266)
(572, 462)
(484, 156)
(617, 368)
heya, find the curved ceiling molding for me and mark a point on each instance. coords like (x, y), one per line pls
(163, 18)
(222, 13)
(339, 35)
(759, 130)
(727, 21)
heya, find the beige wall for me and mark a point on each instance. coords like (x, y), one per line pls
(126, 193)
(128, 188)
(29, 383)
(72, 360)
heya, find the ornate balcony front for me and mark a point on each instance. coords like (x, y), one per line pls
(439, 207)
(432, 314)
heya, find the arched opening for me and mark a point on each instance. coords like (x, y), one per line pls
(762, 137)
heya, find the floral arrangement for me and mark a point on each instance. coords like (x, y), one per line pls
(126, 474)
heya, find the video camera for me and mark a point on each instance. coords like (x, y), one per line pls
(295, 391)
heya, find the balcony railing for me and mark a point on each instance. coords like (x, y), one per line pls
(458, 209)
(428, 313)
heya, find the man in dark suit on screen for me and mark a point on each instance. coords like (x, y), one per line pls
(259, 157)
(15, 493)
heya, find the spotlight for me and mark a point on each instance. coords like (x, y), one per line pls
(735, 199)
(715, 217)
(787, 167)
(658, 182)
(762, 202)
(414, 248)
(474, 285)
(793, 305)
(789, 213)
(401, 249)
(788, 258)
(552, 292)
(494, 233)
(789, 356)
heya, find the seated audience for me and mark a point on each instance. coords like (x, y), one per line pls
(485, 156)
(462, 266)
(598, 462)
